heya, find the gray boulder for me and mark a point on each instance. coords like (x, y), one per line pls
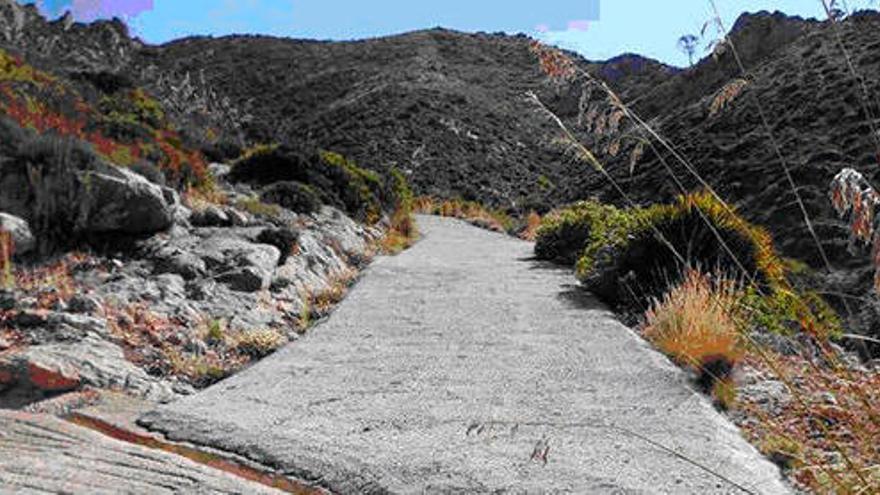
(119, 201)
(247, 279)
(243, 265)
(210, 216)
(22, 237)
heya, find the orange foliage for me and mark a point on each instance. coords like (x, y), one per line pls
(696, 322)
(533, 222)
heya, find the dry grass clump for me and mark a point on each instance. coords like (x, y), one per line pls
(727, 95)
(200, 354)
(530, 231)
(50, 283)
(402, 233)
(200, 370)
(255, 207)
(7, 280)
(823, 431)
(335, 291)
(318, 303)
(423, 204)
(259, 343)
(469, 211)
(199, 198)
(698, 324)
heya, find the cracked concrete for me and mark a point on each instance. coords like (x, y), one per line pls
(461, 366)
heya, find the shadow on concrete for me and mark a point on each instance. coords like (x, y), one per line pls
(572, 294)
(575, 296)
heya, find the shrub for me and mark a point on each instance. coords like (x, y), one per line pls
(122, 126)
(402, 230)
(362, 188)
(400, 190)
(563, 234)
(40, 182)
(635, 243)
(544, 183)
(294, 196)
(222, 151)
(697, 324)
(103, 81)
(336, 180)
(149, 170)
(626, 259)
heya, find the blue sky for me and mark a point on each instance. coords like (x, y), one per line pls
(598, 29)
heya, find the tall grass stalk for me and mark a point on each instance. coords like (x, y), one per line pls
(859, 80)
(7, 278)
(774, 143)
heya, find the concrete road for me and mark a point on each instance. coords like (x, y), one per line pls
(460, 366)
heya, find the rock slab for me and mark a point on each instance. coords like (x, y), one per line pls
(42, 454)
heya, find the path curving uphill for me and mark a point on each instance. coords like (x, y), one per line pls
(463, 366)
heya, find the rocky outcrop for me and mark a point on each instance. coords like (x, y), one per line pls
(90, 362)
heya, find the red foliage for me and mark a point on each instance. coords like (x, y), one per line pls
(853, 195)
(45, 105)
(553, 62)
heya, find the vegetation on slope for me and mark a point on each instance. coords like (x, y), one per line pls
(125, 127)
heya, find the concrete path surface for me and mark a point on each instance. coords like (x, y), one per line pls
(460, 366)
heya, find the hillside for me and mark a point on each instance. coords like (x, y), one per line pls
(446, 106)
(449, 109)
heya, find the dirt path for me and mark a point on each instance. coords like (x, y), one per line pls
(462, 366)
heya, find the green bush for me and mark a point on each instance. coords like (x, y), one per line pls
(627, 244)
(564, 234)
(400, 190)
(362, 191)
(625, 257)
(337, 180)
(294, 196)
